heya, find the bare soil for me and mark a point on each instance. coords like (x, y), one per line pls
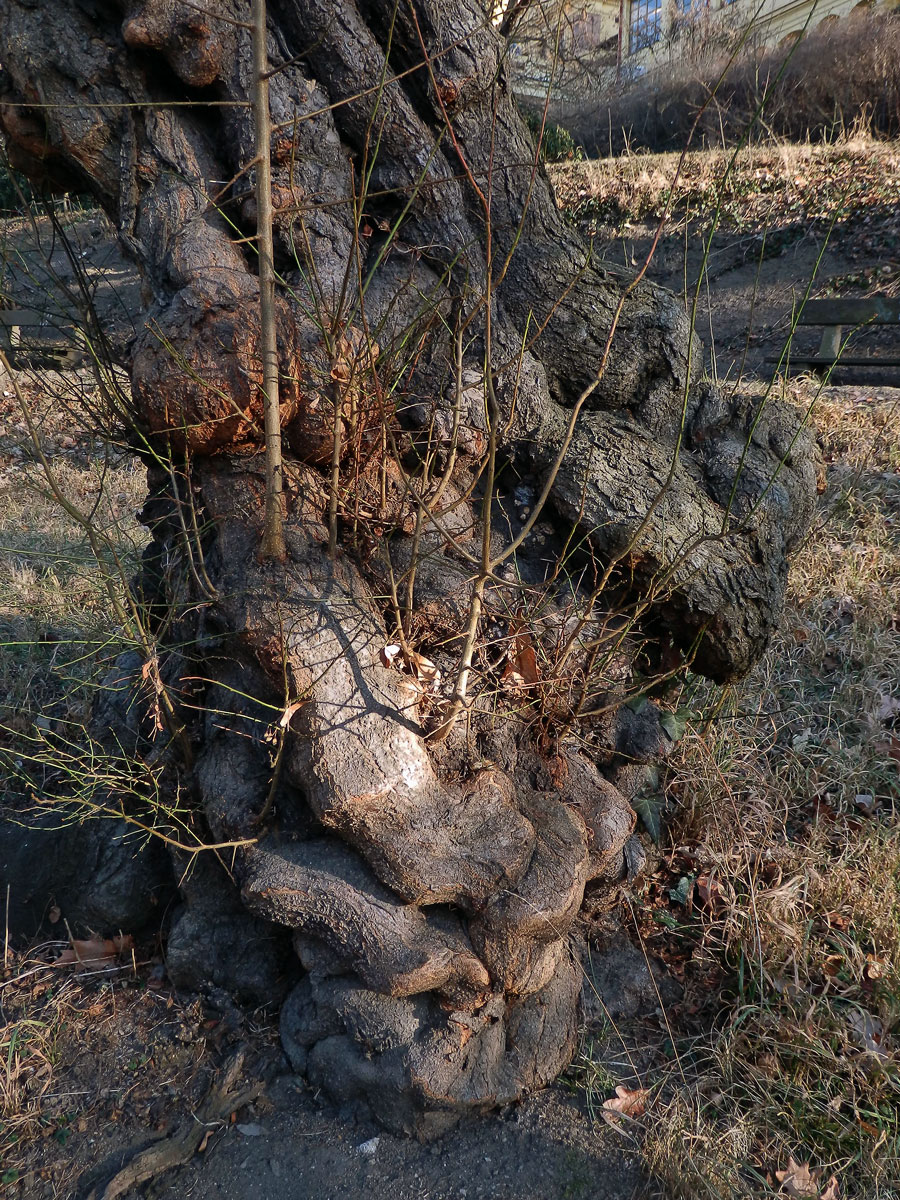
(117, 1062)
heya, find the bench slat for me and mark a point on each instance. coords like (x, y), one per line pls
(819, 360)
(29, 316)
(878, 310)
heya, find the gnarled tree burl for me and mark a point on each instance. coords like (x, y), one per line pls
(448, 350)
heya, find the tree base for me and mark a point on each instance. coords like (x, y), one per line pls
(415, 1065)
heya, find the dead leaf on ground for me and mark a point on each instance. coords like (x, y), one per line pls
(709, 892)
(798, 1180)
(832, 965)
(625, 1103)
(868, 1031)
(837, 920)
(689, 857)
(423, 668)
(875, 967)
(95, 951)
(521, 668)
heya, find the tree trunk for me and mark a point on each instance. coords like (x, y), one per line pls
(435, 314)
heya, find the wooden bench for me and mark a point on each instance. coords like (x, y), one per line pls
(835, 316)
(25, 335)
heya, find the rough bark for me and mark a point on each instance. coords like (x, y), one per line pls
(433, 305)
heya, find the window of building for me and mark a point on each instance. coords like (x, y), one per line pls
(686, 13)
(645, 24)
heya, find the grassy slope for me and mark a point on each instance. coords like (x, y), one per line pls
(753, 188)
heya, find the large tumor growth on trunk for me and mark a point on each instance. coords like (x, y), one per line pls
(419, 736)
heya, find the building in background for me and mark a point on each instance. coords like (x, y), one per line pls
(576, 46)
(651, 29)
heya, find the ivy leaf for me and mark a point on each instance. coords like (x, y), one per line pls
(637, 703)
(674, 723)
(666, 919)
(682, 893)
(649, 809)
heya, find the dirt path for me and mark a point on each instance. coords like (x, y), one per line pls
(544, 1149)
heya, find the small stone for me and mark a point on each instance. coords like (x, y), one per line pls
(635, 856)
(249, 1130)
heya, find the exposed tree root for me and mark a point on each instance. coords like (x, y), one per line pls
(180, 1147)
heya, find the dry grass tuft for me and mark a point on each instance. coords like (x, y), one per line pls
(26, 1075)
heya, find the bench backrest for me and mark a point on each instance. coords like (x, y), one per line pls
(874, 310)
(24, 317)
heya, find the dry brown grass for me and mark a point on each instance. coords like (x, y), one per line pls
(785, 803)
(26, 1075)
(755, 188)
(57, 629)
